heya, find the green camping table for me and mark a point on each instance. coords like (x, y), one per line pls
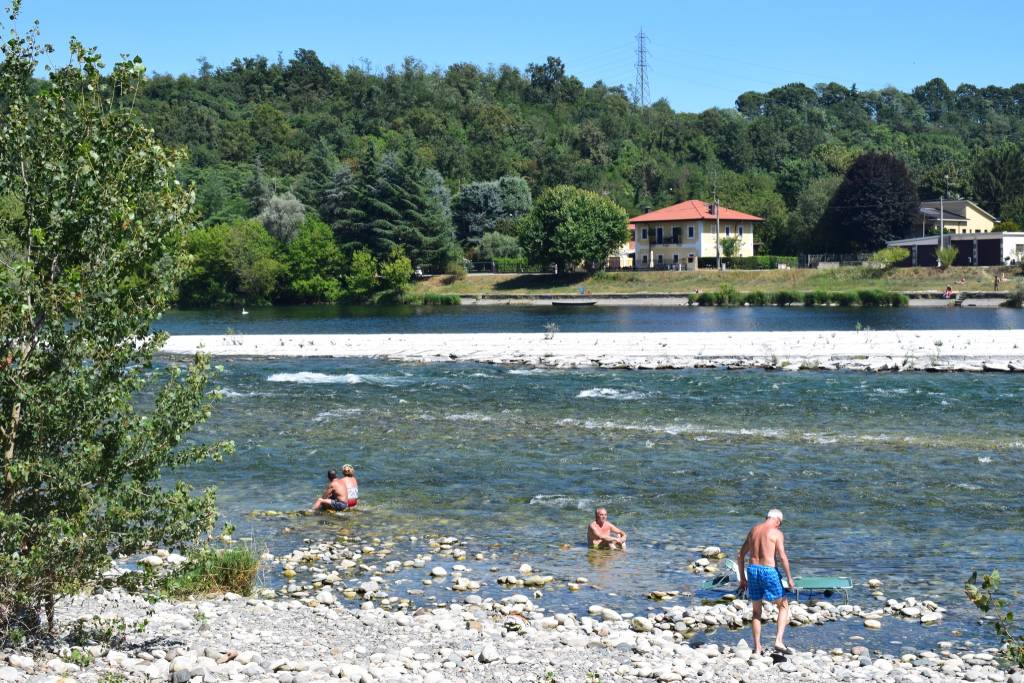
(809, 584)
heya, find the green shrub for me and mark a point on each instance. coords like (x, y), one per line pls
(1016, 298)
(946, 256)
(432, 299)
(785, 298)
(707, 299)
(886, 258)
(872, 297)
(210, 571)
(757, 299)
(898, 299)
(845, 298)
(810, 299)
(982, 594)
(728, 296)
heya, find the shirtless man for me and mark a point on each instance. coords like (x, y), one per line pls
(603, 534)
(763, 543)
(335, 496)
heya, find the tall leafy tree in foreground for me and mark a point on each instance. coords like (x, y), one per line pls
(90, 256)
(875, 202)
(573, 227)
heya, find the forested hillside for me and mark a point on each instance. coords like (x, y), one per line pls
(779, 154)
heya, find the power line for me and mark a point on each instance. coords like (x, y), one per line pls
(643, 83)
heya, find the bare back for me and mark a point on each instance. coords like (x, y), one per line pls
(763, 543)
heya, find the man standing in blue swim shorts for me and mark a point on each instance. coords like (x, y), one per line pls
(761, 579)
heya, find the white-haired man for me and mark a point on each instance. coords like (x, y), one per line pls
(761, 578)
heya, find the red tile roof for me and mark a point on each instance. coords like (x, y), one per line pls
(692, 210)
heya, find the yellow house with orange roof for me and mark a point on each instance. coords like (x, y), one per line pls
(676, 236)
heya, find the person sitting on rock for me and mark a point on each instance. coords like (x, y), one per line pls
(603, 534)
(341, 492)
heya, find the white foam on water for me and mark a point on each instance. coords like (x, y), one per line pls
(984, 460)
(469, 417)
(526, 371)
(325, 378)
(231, 393)
(337, 412)
(614, 394)
(563, 502)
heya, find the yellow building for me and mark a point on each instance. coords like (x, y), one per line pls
(677, 236)
(959, 217)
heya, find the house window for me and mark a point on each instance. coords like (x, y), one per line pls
(677, 234)
(675, 258)
(659, 259)
(645, 259)
(661, 236)
(643, 233)
(689, 231)
(741, 231)
(728, 231)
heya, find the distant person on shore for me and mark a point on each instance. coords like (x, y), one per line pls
(948, 294)
(761, 578)
(603, 534)
(341, 492)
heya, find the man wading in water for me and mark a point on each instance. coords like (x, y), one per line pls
(603, 534)
(763, 543)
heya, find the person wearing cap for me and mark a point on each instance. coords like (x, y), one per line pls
(341, 492)
(761, 578)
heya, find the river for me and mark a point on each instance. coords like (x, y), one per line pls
(911, 478)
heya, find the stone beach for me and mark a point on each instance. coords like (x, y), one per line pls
(866, 350)
(341, 616)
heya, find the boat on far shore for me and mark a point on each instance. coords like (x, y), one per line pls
(574, 302)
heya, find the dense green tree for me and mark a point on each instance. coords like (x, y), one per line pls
(295, 119)
(394, 201)
(314, 265)
(361, 279)
(573, 227)
(800, 234)
(90, 431)
(875, 202)
(999, 177)
(495, 245)
(233, 263)
(395, 272)
(476, 209)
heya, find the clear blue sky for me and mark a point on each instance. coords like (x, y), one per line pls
(701, 54)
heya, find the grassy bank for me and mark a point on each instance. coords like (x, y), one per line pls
(668, 282)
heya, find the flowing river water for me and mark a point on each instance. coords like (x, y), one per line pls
(912, 478)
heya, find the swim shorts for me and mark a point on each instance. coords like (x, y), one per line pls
(338, 505)
(764, 583)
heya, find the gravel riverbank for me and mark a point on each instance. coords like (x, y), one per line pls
(344, 615)
(294, 641)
